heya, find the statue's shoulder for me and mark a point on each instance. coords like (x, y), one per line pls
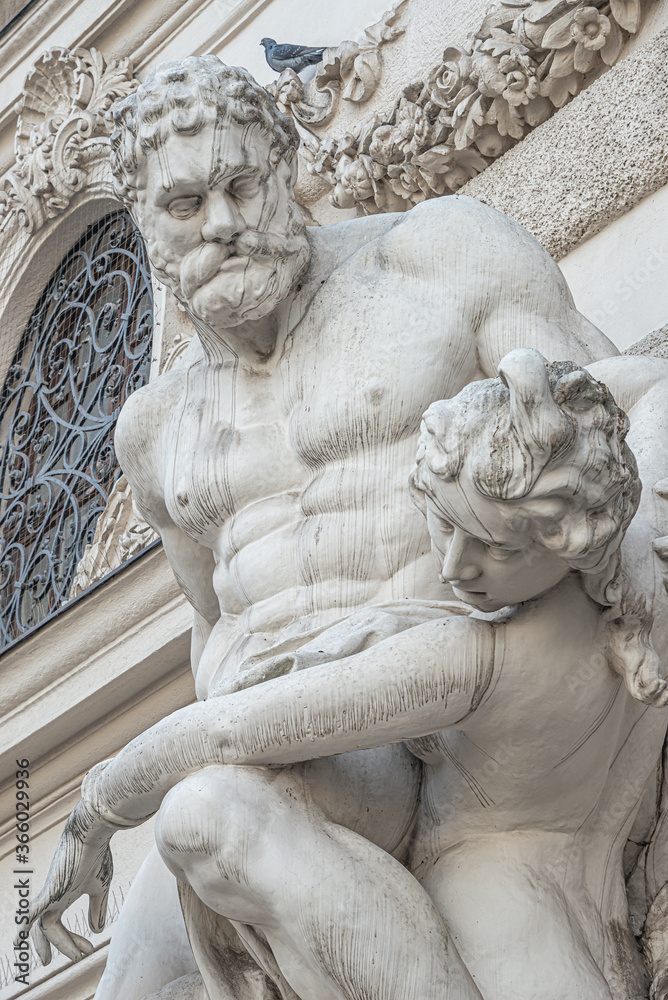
(458, 216)
(146, 412)
(455, 223)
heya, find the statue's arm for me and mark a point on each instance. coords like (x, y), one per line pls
(82, 863)
(425, 679)
(140, 446)
(504, 289)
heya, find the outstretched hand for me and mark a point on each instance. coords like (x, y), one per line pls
(82, 865)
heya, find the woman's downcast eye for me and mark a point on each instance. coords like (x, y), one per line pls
(499, 553)
(183, 208)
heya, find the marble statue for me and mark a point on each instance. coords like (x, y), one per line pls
(395, 784)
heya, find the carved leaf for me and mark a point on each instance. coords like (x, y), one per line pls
(365, 77)
(438, 159)
(470, 116)
(541, 13)
(498, 17)
(506, 117)
(558, 35)
(384, 30)
(613, 44)
(116, 81)
(564, 62)
(348, 53)
(627, 14)
(329, 70)
(559, 89)
(537, 111)
(501, 42)
(584, 59)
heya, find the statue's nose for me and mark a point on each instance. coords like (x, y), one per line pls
(223, 220)
(460, 565)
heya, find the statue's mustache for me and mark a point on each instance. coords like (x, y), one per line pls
(202, 264)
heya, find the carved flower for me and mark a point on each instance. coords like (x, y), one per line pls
(354, 182)
(406, 181)
(409, 118)
(450, 78)
(513, 78)
(577, 37)
(428, 133)
(287, 90)
(590, 28)
(452, 167)
(387, 145)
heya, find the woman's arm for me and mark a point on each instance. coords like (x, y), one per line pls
(425, 679)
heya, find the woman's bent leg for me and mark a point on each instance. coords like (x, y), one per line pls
(343, 919)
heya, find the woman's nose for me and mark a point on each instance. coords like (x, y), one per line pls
(460, 565)
(223, 220)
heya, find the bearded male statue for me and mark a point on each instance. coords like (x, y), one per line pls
(274, 464)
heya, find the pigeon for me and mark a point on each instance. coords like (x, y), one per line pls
(295, 57)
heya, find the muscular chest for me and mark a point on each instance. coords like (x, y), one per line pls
(229, 448)
(338, 408)
(365, 371)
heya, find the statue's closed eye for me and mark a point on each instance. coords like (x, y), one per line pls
(183, 208)
(245, 187)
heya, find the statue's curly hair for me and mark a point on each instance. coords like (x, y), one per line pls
(548, 441)
(181, 97)
(547, 431)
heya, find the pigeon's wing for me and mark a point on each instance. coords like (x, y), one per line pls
(283, 52)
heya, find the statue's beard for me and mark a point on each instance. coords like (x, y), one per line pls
(226, 284)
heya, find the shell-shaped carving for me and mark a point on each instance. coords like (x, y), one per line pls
(49, 94)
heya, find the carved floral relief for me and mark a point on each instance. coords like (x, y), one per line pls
(527, 59)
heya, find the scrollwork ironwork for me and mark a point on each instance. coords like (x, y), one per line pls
(86, 347)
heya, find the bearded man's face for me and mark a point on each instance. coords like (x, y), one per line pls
(221, 224)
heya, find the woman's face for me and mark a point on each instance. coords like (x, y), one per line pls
(487, 558)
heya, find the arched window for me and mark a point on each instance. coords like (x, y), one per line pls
(85, 348)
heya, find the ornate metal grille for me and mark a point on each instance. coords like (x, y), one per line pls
(86, 347)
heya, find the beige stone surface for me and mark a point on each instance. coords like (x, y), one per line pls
(596, 159)
(654, 344)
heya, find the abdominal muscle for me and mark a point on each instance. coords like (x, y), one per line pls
(281, 573)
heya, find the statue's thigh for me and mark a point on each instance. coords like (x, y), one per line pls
(372, 792)
(149, 944)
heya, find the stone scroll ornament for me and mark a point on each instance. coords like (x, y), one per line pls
(527, 60)
(429, 611)
(61, 131)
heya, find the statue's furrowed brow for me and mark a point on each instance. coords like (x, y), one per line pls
(165, 171)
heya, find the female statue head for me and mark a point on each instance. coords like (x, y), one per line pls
(526, 478)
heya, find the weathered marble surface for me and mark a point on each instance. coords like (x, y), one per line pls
(325, 842)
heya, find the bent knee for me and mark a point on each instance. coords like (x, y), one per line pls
(218, 813)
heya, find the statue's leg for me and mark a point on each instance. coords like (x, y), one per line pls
(149, 945)
(342, 917)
